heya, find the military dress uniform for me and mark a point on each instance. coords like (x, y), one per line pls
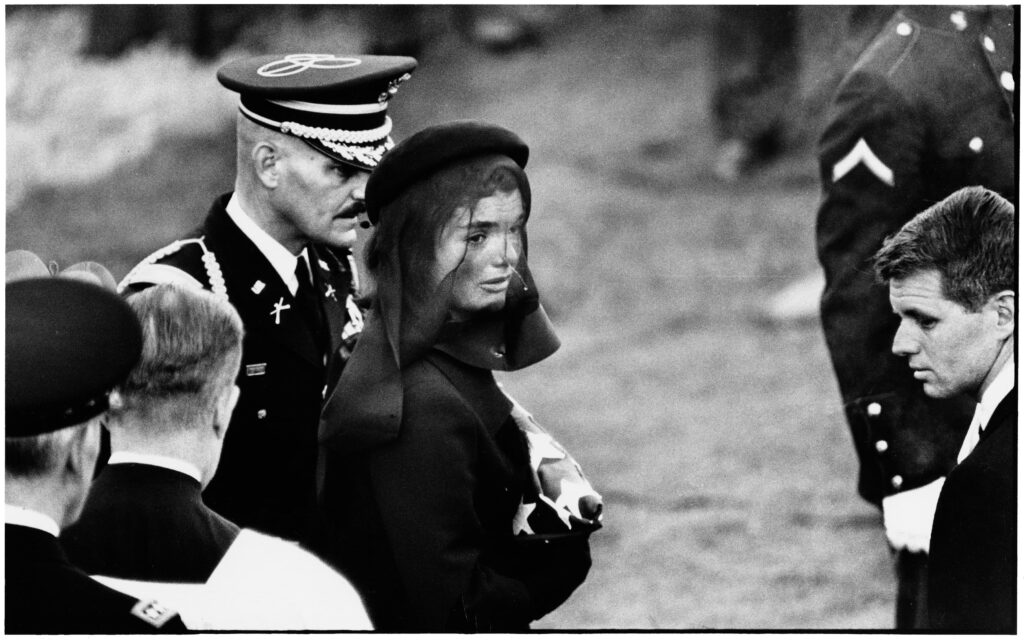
(928, 108)
(144, 529)
(266, 476)
(295, 344)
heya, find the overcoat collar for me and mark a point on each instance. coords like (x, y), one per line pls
(477, 388)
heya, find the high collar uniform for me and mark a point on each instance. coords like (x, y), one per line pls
(972, 585)
(266, 475)
(45, 593)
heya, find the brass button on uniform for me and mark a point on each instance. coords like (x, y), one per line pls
(874, 409)
(897, 482)
(881, 446)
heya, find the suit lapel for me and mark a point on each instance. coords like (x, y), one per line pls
(256, 289)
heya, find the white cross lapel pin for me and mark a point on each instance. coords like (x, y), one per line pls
(329, 293)
(279, 306)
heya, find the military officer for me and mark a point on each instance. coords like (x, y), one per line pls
(310, 127)
(68, 343)
(927, 108)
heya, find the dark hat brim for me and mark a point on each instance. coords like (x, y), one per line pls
(433, 148)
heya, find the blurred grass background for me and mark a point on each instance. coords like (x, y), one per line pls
(716, 437)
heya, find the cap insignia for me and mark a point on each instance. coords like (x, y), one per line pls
(299, 62)
(393, 88)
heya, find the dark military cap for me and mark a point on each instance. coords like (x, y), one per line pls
(426, 151)
(335, 103)
(69, 342)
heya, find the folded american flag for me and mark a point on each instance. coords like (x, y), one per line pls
(563, 500)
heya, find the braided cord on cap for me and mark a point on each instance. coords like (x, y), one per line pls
(323, 134)
(369, 156)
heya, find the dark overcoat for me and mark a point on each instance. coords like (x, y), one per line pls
(927, 109)
(423, 525)
(266, 478)
(45, 593)
(972, 585)
(142, 522)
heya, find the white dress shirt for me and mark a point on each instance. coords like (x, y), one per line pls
(29, 518)
(990, 399)
(174, 464)
(280, 258)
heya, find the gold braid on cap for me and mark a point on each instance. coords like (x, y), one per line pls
(325, 135)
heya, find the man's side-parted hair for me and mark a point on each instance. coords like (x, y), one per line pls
(191, 350)
(968, 238)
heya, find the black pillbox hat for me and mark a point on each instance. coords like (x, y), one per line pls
(69, 342)
(426, 151)
(335, 103)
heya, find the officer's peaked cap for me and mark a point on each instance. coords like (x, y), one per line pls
(69, 342)
(336, 103)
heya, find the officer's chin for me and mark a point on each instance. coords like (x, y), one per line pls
(342, 238)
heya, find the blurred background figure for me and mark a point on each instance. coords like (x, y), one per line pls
(756, 71)
(144, 527)
(927, 109)
(67, 343)
(952, 277)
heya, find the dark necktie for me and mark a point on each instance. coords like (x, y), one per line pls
(309, 305)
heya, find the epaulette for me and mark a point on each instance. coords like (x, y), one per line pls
(149, 272)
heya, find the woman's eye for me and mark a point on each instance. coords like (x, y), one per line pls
(477, 238)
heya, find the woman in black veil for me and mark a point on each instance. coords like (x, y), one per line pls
(424, 468)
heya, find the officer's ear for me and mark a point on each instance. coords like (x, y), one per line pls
(1004, 307)
(266, 159)
(82, 451)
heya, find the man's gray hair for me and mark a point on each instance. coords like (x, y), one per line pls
(191, 350)
(38, 456)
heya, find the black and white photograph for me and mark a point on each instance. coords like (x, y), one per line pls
(500, 318)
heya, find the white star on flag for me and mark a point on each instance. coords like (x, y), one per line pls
(521, 522)
(542, 446)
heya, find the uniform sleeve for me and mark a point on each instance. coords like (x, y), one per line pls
(873, 161)
(424, 488)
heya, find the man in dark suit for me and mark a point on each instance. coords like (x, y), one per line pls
(928, 108)
(952, 275)
(68, 342)
(144, 527)
(310, 128)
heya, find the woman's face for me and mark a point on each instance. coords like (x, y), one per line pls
(480, 248)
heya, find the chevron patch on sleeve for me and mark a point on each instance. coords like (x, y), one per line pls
(862, 154)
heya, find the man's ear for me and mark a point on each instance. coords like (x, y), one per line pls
(266, 159)
(1004, 304)
(225, 407)
(84, 449)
